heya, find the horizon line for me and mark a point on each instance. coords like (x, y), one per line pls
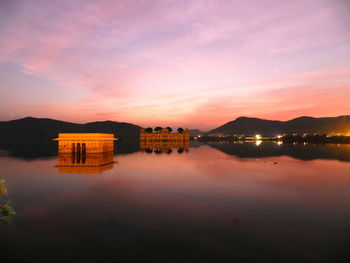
(28, 117)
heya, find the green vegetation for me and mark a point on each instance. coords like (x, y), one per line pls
(6, 211)
(3, 189)
(157, 129)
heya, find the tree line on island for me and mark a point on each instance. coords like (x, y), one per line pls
(159, 129)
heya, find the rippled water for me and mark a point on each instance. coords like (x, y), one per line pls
(216, 203)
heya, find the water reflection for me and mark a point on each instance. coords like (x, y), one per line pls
(301, 151)
(6, 211)
(164, 147)
(85, 163)
(204, 206)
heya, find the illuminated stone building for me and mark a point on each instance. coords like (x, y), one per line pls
(164, 141)
(85, 142)
(164, 136)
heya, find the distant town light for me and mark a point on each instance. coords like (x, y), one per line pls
(279, 136)
(258, 136)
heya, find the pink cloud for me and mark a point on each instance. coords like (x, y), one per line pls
(168, 62)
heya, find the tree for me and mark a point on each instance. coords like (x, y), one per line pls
(169, 129)
(6, 211)
(180, 150)
(149, 130)
(148, 150)
(180, 130)
(3, 189)
(158, 151)
(157, 129)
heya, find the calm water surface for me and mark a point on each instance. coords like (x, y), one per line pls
(215, 203)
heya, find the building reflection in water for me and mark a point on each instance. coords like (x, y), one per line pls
(85, 163)
(164, 147)
(6, 211)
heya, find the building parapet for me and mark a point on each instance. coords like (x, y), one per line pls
(164, 135)
(85, 142)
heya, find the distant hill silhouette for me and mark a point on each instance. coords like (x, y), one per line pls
(251, 126)
(195, 132)
(34, 136)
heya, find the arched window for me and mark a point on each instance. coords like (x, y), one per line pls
(78, 157)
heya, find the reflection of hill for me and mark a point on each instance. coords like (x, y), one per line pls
(85, 163)
(299, 151)
(33, 149)
(196, 144)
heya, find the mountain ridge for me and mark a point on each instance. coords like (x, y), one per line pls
(32, 136)
(303, 124)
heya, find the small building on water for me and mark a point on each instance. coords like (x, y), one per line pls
(85, 142)
(164, 135)
(164, 140)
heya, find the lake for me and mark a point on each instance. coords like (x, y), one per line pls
(219, 202)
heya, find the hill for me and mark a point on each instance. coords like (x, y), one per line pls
(34, 135)
(251, 126)
(196, 132)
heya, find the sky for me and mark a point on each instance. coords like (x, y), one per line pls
(189, 63)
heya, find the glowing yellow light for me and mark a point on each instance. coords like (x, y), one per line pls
(279, 136)
(258, 142)
(279, 142)
(3, 189)
(258, 136)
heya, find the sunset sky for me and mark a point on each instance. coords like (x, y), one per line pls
(195, 64)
